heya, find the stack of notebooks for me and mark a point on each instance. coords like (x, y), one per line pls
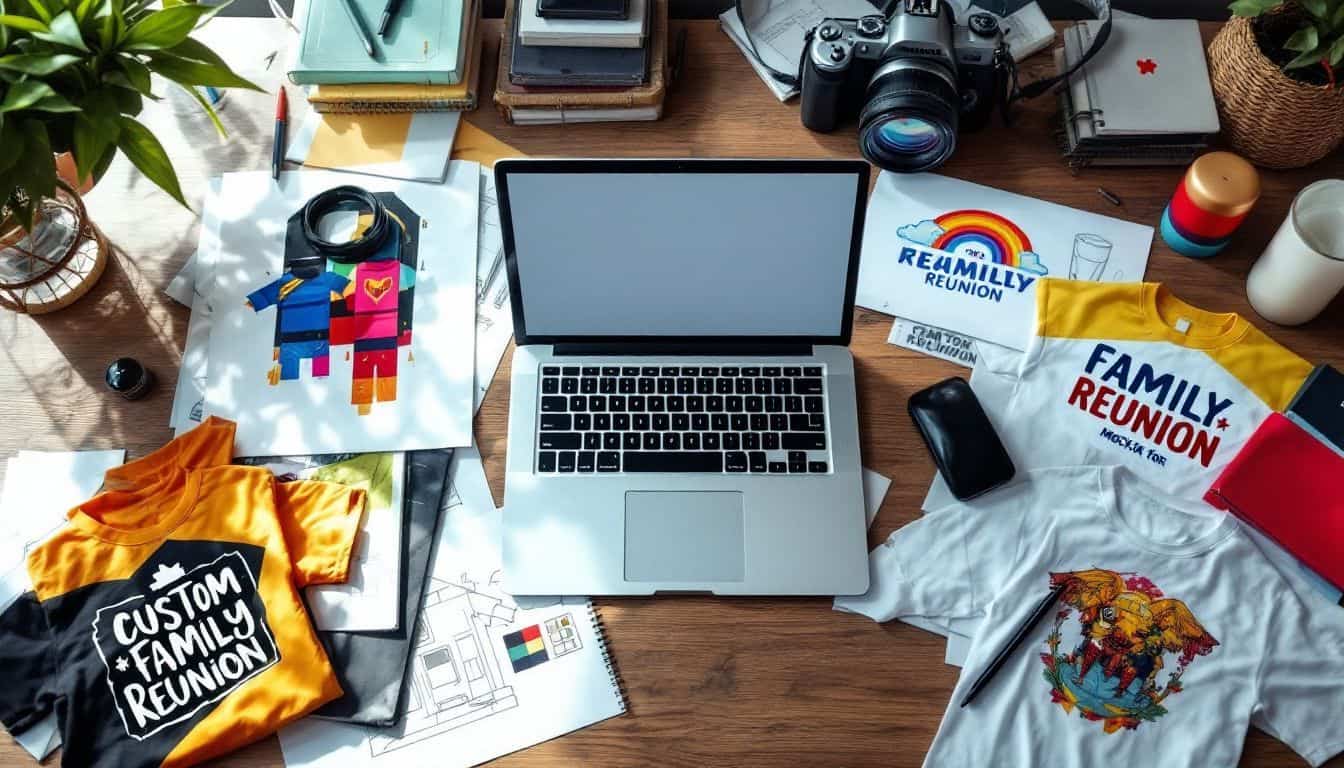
(597, 61)
(429, 60)
(1145, 99)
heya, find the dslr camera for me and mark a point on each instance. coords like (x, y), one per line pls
(914, 79)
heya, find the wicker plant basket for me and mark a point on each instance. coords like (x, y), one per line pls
(1269, 118)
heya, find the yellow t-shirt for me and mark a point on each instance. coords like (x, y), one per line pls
(166, 625)
(1128, 374)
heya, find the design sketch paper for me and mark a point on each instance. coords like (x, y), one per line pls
(370, 600)
(874, 491)
(371, 356)
(494, 313)
(488, 677)
(945, 345)
(400, 145)
(968, 258)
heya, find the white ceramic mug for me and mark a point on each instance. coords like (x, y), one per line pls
(1302, 268)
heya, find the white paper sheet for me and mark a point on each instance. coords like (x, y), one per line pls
(40, 487)
(307, 414)
(958, 646)
(424, 155)
(874, 491)
(967, 258)
(470, 699)
(494, 313)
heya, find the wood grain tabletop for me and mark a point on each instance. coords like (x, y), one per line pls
(743, 682)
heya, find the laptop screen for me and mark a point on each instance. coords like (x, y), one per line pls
(745, 249)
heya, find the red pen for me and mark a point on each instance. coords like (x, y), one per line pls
(281, 118)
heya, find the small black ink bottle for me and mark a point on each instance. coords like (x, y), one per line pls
(128, 378)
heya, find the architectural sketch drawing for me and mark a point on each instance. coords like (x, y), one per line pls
(456, 677)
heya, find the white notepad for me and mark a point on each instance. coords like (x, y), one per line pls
(1150, 78)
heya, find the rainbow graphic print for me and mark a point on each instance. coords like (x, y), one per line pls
(982, 234)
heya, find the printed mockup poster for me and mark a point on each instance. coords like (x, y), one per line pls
(967, 258)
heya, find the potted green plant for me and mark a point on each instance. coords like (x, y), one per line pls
(1278, 76)
(73, 76)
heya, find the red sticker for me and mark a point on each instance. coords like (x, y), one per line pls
(1146, 66)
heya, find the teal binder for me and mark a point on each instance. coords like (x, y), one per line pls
(424, 44)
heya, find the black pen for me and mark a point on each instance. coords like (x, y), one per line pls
(389, 11)
(358, 24)
(1018, 637)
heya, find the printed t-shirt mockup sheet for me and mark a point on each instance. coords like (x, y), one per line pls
(1174, 631)
(165, 625)
(1128, 374)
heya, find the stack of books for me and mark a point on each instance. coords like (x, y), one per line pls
(1144, 99)
(428, 60)
(582, 61)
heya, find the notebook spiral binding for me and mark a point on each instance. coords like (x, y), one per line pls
(600, 629)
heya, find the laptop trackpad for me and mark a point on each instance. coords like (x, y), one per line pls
(684, 536)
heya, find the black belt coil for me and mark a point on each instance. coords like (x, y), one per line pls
(346, 198)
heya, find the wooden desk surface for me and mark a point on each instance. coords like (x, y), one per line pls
(731, 682)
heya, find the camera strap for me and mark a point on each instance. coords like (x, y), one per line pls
(793, 80)
(1102, 10)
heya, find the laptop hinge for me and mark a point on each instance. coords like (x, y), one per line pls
(683, 349)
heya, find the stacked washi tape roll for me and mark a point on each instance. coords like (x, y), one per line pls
(1218, 190)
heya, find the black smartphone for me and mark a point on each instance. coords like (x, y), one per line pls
(967, 450)
(583, 9)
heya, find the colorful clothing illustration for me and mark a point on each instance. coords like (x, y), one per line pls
(367, 304)
(1128, 628)
(165, 626)
(303, 309)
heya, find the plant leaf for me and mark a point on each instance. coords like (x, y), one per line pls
(1303, 40)
(23, 94)
(64, 30)
(1251, 8)
(94, 134)
(9, 137)
(53, 103)
(24, 23)
(1337, 52)
(188, 72)
(136, 72)
(1318, 8)
(37, 64)
(165, 28)
(147, 154)
(209, 110)
(1307, 59)
(36, 169)
(40, 9)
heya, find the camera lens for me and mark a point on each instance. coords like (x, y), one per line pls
(909, 122)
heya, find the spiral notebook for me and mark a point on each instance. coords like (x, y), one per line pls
(489, 676)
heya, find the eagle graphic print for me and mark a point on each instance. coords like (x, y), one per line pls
(1130, 631)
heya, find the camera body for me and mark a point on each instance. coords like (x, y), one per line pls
(917, 65)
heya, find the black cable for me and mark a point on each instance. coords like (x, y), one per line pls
(346, 198)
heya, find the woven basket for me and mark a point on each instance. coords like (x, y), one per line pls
(1269, 118)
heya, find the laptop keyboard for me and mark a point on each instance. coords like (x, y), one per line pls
(749, 419)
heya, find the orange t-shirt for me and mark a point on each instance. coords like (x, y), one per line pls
(166, 625)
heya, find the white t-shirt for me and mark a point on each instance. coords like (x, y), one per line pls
(1127, 373)
(1175, 634)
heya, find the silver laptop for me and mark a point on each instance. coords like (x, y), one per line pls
(682, 413)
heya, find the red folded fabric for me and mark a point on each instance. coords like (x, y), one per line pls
(1289, 485)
